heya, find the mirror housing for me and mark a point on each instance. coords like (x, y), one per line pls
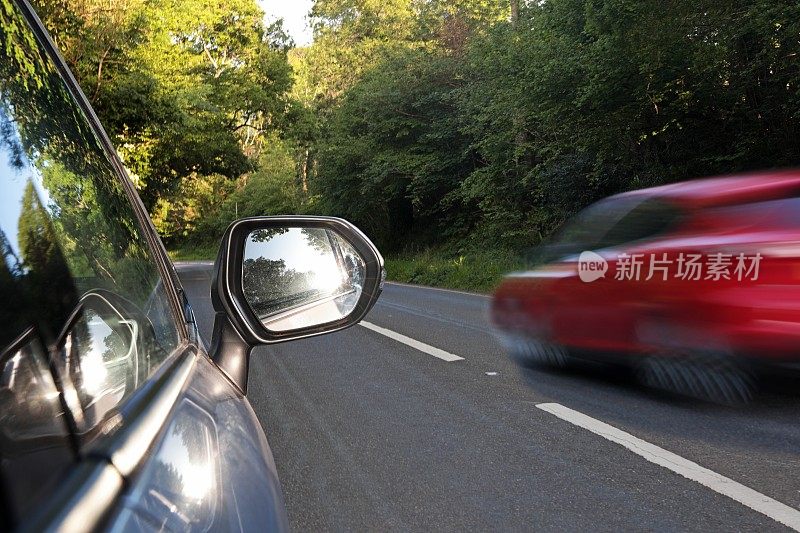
(237, 328)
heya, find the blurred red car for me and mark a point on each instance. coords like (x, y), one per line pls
(696, 285)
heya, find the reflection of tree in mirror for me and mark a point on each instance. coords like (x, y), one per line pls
(193, 436)
(270, 287)
(318, 239)
(355, 274)
(43, 263)
(353, 263)
(14, 322)
(266, 234)
(324, 241)
(117, 342)
(167, 478)
(16, 155)
(174, 480)
(77, 229)
(42, 128)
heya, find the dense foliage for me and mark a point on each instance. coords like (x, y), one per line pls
(491, 129)
(187, 90)
(470, 123)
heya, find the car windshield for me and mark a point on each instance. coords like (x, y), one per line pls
(608, 224)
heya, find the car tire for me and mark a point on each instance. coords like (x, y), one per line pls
(532, 352)
(711, 377)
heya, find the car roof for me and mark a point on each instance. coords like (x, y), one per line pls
(722, 191)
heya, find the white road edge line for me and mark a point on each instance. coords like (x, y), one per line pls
(765, 505)
(421, 346)
(465, 293)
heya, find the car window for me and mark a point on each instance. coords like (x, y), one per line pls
(591, 224)
(78, 277)
(608, 223)
(646, 220)
(586, 230)
(783, 213)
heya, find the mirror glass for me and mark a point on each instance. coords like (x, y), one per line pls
(101, 353)
(300, 277)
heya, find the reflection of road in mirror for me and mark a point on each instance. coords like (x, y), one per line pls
(300, 277)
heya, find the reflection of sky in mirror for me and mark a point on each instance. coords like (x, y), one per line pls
(186, 448)
(12, 184)
(13, 181)
(295, 250)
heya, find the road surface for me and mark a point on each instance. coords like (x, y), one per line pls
(373, 428)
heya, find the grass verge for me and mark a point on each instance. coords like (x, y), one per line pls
(475, 272)
(194, 252)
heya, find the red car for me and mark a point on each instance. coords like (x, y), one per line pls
(696, 285)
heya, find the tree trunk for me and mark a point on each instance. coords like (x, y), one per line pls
(304, 172)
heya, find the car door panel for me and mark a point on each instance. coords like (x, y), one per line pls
(211, 467)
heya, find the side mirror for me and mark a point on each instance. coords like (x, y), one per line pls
(288, 277)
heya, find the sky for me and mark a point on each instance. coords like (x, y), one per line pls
(293, 13)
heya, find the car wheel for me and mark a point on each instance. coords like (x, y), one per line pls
(716, 378)
(532, 352)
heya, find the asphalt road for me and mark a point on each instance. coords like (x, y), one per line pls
(370, 433)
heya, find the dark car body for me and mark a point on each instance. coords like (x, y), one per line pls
(113, 414)
(750, 315)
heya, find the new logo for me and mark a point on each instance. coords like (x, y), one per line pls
(591, 266)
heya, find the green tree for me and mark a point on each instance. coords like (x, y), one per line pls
(394, 156)
(185, 89)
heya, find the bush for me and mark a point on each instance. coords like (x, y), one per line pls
(478, 271)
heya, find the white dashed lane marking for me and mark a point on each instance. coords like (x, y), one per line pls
(408, 341)
(756, 501)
